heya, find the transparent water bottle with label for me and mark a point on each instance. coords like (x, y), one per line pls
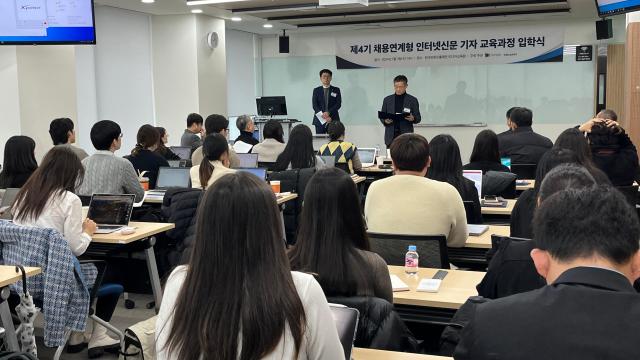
(411, 261)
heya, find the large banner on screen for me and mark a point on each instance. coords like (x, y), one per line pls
(501, 45)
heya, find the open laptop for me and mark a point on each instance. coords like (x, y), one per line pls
(367, 156)
(184, 152)
(346, 320)
(248, 161)
(177, 163)
(169, 177)
(476, 177)
(110, 212)
(259, 172)
(7, 200)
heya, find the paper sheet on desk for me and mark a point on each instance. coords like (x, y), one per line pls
(242, 147)
(397, 284)
(320, 118)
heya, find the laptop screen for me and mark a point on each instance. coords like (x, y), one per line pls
(184, 152)
(476, 177)
(259, 172)
(248, 161)
(173, 177)
(506, 161)
(367, 156)
(111, 209)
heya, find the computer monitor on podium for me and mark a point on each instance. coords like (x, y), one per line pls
(271, 105)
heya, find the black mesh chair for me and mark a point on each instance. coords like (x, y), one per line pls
(630, 193)
(432, 249)
(524, 171)
(472, 213)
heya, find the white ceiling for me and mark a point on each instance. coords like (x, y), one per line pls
(253, 21)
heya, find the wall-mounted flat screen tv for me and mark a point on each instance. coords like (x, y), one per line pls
(614, 7)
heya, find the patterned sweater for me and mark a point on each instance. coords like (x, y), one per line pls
(106, 173)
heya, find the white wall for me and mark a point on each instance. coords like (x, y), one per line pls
(241, 72)
(9, 100)
(212, 68)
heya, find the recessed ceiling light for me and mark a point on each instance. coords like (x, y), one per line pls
(148, 1)
(236, 18)
(268, 26)
(197, 11)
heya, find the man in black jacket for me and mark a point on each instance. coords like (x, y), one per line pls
(521, 144)
(326, 100)
(400, 103)
(586, 247)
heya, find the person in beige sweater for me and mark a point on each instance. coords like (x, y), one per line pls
(409, 203)
(216, 150)
(216, 124)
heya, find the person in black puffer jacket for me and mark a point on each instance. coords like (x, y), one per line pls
(180, 207)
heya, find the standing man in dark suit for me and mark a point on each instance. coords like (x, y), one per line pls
(326, 99)
(586, 247)
(400, 103)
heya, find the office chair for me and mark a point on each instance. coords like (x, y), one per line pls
(524, 171)
(432, 249)
(472, 213)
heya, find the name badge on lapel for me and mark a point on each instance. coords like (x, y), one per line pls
(334, 94)
(406, 111)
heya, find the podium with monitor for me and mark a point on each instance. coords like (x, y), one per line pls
(273, 108)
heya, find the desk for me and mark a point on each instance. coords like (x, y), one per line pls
(474, 253)
(435, 308)
(372, 354)
(155, 199)
(144, 231)
(530, 185)
(158, 199)
(376, 170)
(484, 241)
(8, 276)
(281, 199)
(502, 211)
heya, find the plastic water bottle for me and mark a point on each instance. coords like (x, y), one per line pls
(411, 261)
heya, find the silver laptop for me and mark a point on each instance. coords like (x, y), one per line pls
(476, 177)
(346, 320)
(248, 161)
(259, 172)
(110, 212)
(171, 177)
(7, 200)
(184, 152)
(367, 156)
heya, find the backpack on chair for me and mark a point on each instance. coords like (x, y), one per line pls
(140, 341)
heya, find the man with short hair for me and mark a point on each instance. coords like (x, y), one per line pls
(216, 124)
(245, 140)
(411, 204)
(400, 103)
(192, 136)
(586, 247)
(521, 144)
(509, 124)
(106, 173)
(62, 134)
(327, 100)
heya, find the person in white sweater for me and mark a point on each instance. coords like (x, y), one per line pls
(273, 144)
(47, 201)
(409, 203)
(238, 298)
(214, 165)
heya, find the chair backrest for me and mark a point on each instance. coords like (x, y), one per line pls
(346, 320)
(524, 171)
(630, 193)
(432, 249)
(471, 211)
(496, 240)
(499, 184)
(266, 165)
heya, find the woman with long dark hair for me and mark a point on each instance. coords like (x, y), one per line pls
(446, 166)
(19, 162)
(332, 240)
(574, 140)
(215, 163)
(47, 200)
(485, 155)
(238, 298)
(162, 148)
(273, 144)
(299, 153)
(143, 156)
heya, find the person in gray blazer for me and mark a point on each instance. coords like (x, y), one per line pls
(400, 103)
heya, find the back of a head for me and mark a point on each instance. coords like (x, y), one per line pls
(510, 111)
(214, 146)
(194, 118)
(446, 164)
(103, 133)
(59, 130)
(565, 176)
(602, 135)
(522, 116)
(410, 152)
(586, 223)
(572, 139)
(607, 114)
(551, 159)
(242, 122)
(299, 151)
(401, 78)
(336, 130)
(241, 249)
(215, 123)
(273, 130)
(147, 137)
(485, 147)
(19, 156)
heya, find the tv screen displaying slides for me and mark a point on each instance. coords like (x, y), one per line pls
(612, 7)
(46, 22)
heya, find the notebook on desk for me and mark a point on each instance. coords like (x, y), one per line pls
(110, 212)
(477, 230)
(397, 284)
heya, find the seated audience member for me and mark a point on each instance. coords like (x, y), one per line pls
(523, 145)
(192, 134)
(216, 124)
(62, 134)
(246, 126)
(215, 163)
(511, 269)
(485, 155)
(273, 144)
(162, 148)
(332, 240)
(345, 153)
(47, 201)
(446, 166)
(105, 173)
(299, 153)
(586, 247)
(509, 123)
(611, 148)
(144, 158)
(19, 161)
(572, 139)
(410, 203)
(249, 303)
